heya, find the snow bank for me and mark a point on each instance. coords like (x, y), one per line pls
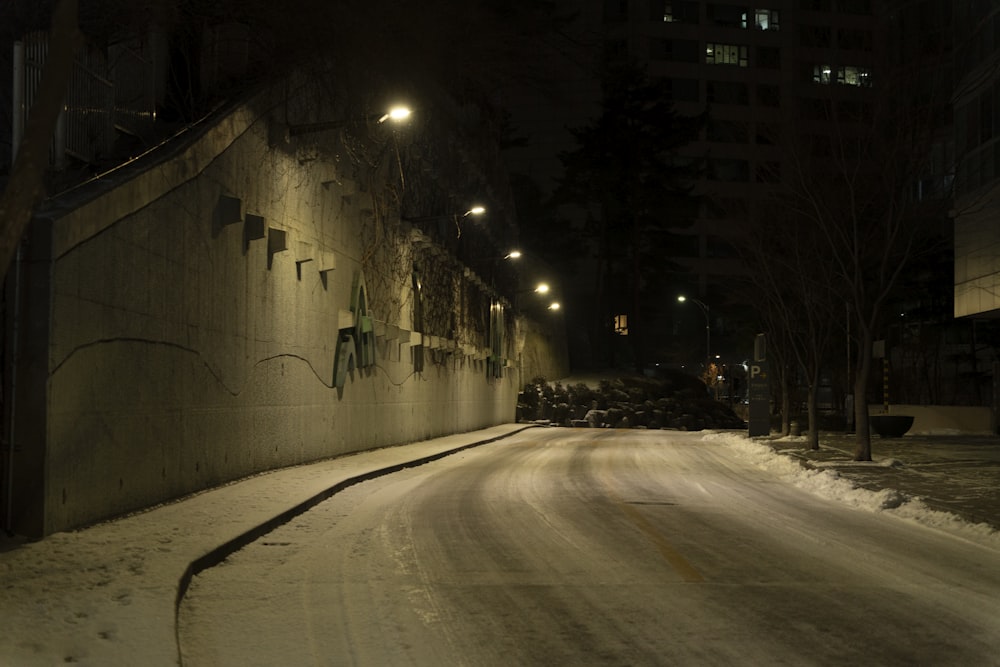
(829, 484)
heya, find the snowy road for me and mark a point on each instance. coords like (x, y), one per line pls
(578, 546)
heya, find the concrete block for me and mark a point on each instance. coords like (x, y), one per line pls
(228, 211)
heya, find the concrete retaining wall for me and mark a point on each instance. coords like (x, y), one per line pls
(193, 333)
(543, 350)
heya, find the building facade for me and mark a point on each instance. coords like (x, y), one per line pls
(762, 71)
(977, 145)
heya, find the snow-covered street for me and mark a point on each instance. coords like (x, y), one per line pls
(579, 546)
(106, 595)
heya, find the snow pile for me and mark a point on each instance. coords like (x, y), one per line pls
(829, 484)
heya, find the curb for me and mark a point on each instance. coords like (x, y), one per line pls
(226, 549)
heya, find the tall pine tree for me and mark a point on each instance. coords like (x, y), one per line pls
(627, 175)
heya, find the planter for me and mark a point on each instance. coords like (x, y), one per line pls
(891, 426)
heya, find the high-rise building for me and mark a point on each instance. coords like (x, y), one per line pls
(977, 150)
(762, 71)
(783, 76)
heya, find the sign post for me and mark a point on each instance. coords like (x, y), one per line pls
(759, 391)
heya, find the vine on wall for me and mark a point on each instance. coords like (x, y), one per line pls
(423, 172)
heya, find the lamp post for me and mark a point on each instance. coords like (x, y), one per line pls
(540, 289)
(708, 329)
(475, 211)
(396, 114)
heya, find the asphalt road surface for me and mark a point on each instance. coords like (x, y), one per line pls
(595, 547)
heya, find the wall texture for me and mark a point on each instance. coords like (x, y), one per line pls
(977, 256)
(182, 321)
(542, 349)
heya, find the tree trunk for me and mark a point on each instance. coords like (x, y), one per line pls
(635, 325)
(813, 411)
(601, 350)
(786, 400)
(863, 436)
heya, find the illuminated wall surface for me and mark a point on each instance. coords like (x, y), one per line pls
(976, 116)
(977, 259)
(187, 331)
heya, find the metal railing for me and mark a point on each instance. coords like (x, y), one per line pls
(109, 92)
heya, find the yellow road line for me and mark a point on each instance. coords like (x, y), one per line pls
(671, 555)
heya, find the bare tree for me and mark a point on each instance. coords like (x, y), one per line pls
(624, 169)
(795, 281)
(855, 184)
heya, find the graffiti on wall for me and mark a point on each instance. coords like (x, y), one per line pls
(355, 343)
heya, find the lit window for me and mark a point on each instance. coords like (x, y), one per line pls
(674, 11)
(621, 325)
(726, 54)
(821, 74)
(766, 19)
(854, 76)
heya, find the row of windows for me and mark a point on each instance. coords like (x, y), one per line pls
(730, 170)
(688, 11)
(724, 92)
(854, 111)
(739, 132)
(735, 16)
(727, 54)
(848, 39)
(738, 93)
(840, 6)
(738, 17)
(978, 121)
(819, 145)
(847, 75)
(715, 53)
(738, 55)
(982, 40)
(978, 168)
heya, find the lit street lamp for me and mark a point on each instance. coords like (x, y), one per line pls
(476, 211)
(708, 328)
(396, 114)
(542, 289)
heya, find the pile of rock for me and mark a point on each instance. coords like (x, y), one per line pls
(677, 402)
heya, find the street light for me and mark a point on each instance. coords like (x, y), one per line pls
(513, 254)
(708, 329)
(540, 289)
(396, 114)
(476, 211)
